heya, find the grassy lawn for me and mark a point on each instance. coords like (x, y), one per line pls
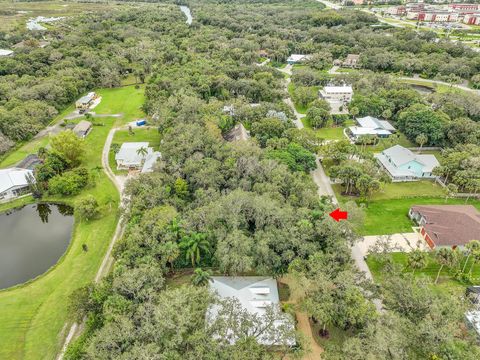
(384, 217)
(446, 282)
(33, 315)
(330, 133)
(440, 88)
(147, 134)
(387, 143)
(335, 338)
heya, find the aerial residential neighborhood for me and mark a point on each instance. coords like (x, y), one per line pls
(239, 180)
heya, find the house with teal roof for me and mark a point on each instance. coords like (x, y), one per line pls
(404, 165)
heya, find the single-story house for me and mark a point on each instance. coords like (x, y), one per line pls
(13, 183)
(131, 155)
(352, 61)
(255, 294)
(403, 165)
(84, 102)
(297, 58)
(277, 114)
(447, 225)
(150, 161)
(473, 320)
(4, 52)
(238, 133)
(369, 125)
(82, 128)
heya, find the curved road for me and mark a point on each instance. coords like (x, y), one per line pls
(107, 259)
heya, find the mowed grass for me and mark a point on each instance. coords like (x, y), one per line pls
(446, 281)
(34, 316)
(125, 100)
(331, 132)
(149, 135)
(384, 217)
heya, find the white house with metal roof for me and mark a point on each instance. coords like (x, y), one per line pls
(132, 155)
(255, 294)
(13, 183)
(296, 58)
(369, 125)
(338, 97)
(150, 161)
(403, 165)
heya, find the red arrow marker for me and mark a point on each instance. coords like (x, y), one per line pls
(338, 215)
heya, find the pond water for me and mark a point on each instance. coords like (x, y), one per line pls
(424, 90)
(188, 14)
(35, 23)
(32, 239)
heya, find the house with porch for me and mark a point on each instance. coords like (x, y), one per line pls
(297, 58)
(14, 183)
(404, 165)
(372, 126)
(446, 225)
(132, 155)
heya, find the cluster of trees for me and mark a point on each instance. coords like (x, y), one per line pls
(445, 119)
(60, 172)
(461, 166)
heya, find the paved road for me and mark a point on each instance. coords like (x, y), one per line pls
(324, 188)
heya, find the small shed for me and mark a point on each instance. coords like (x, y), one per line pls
(82, 128)
(238, 133)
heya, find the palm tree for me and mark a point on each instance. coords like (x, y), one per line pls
(421, 140)
(471, 246)
(417, 259)
(201, 277)
(193, 244)
(444, 256)
(171, 253)
(175, 229)
(142, 151)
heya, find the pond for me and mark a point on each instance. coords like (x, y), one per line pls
(188, 14)
(422, 89)
(32, 239)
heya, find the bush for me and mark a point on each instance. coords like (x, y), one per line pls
(87, 208)
(69, 183)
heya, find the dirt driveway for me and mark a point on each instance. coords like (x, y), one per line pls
(403, 242)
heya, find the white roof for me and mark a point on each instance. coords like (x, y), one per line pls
(14, 177)
(254, 293)
(87, 98)
(4, 52)
(357, 130)
(150, 161)
(401, 155)
(297, 57)
(473, 318)
(338, 89)
(372, 122)
(128, 154)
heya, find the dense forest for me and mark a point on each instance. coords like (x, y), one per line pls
(248, 208)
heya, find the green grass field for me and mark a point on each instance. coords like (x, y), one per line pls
(330, 133)
(33, 315)
(446, 281)
(385, 217)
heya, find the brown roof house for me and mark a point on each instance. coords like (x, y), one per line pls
(447, 225)
(352, 61)
(82, 129)
(238, 133)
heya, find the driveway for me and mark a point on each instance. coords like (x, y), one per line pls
(402, 242)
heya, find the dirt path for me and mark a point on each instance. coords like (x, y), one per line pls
(303, 325)
(107, 259)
